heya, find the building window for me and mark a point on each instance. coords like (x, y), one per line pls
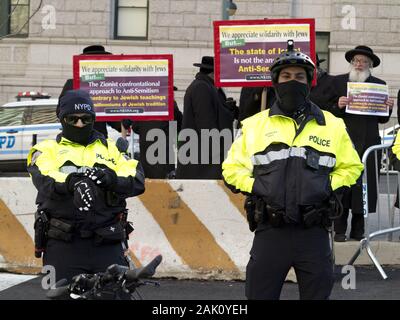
(131, 19)
(322, 48)
(14, 17)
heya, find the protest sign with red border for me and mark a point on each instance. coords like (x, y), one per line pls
(245, 49)
(137, 87)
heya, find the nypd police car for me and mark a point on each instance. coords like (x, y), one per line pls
(25, 123)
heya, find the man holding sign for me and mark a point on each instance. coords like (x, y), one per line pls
(362, 122)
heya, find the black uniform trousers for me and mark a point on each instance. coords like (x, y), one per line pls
(81, 256)
(275, 250)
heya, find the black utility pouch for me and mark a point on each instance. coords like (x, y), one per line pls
(128, 228)
(41, 227)
(127, 225)
(108, 235)
(275, 216)
(60, 230)
(55, 233)
(250, 208)
(61, 225)
(317, 215)
(312, 159)
(112, 199)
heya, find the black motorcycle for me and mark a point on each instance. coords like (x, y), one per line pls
(116, 283)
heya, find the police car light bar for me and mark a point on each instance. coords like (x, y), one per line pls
(32, 95)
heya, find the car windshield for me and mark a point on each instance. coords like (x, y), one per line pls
(11, 116)
(43, 114)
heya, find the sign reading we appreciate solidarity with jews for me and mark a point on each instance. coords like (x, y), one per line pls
(138, 87)
(245, 49)
(367, 98)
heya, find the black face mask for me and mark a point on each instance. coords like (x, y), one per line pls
(292, 96)
(77, 134)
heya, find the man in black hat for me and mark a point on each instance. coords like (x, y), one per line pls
(322, 92)
(99, 126)
(205, 107)
(364, 132)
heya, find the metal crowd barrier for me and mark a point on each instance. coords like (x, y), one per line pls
(369, 234)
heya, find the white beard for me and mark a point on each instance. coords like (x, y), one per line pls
(359, 76)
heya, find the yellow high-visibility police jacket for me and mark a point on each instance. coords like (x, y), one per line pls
(290, 165)
(50, 162)
(396, 146)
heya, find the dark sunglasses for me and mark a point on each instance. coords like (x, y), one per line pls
(71, 119)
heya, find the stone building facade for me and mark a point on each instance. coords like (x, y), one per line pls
(43, 60)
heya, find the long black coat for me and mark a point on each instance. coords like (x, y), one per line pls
(322, 94)
(250, 101)
(364, 132)
(205, 107)
(157, 171)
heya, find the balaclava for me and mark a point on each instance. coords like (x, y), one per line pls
(76, 101)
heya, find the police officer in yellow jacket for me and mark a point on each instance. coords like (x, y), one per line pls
(291, 157)
(82, 181)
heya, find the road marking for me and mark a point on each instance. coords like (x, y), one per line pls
(8, 280)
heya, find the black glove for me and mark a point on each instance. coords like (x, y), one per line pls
(104, 178)
(336, 202)
(71, 179)
(122, 145)
(231, 103)
(84, 194)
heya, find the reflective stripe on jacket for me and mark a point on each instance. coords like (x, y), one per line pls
(50, 162)
(294, 165)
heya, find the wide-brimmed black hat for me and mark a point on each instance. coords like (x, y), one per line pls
(95, 49)
(365, 51)
(207, 63)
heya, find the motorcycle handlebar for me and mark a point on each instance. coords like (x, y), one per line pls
(145, 272)
(58, 292)
(63, 290)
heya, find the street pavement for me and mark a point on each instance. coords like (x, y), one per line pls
(368, 285)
